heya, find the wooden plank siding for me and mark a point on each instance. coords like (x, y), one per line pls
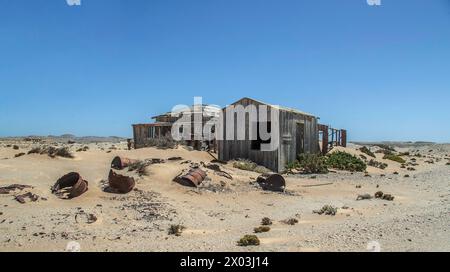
(274, 160)
(288, 132)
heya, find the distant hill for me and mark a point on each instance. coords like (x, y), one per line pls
(70, 137)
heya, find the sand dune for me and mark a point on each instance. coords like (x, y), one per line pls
(217, 214)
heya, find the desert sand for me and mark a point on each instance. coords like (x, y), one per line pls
(218, 213)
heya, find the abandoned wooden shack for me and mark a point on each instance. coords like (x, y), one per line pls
(145, 135)
(297, 131)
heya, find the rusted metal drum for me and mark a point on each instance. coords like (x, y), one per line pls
(120, 183)
(272, 182)
(193, 178)
(72, 183)
(120, 163)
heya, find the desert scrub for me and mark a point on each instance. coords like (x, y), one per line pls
(85, 148)
(266, 221)
(248, 240)
(162, 143)
(292, 166)
(290, 221)
(367, 151)
(140, 167)
(327, 210)
(176, 229)
(386, 147)
(377, 164)
(63, 152)
(345, 161)
(312, 163)
(261, 229)
(248, 165)
(393, 157)
(52, 151)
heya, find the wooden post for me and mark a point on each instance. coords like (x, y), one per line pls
(344, 138)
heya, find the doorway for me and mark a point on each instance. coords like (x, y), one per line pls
(300, 138)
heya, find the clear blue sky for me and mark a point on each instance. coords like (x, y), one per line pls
(381, 72)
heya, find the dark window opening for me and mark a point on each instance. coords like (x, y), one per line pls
(256, 144)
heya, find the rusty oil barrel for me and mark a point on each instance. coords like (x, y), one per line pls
(272, 182)
(193, 178)
(120, 183)
(120, 163)
(74, 183)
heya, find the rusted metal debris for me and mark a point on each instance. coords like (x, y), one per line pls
(193, 178)
(121, 184)
(120, 163)
(272, 182)
(175, 159)
(70, 186)
(8, 189)
(29, 195)
(216, 168)
(87, 218)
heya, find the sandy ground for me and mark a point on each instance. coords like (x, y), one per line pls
(223, 210)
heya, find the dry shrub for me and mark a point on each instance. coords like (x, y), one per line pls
(266, 221)
(367, 151)
(52, 151)
(327, 210)
(162, 143)
(393, 157)
(248, 165)
(290, 221)
(261, 229)
(249, 240)
(176, 229)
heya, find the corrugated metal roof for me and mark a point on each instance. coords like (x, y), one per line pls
(275, 106)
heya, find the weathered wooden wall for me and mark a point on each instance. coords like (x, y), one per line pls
(141, 134)
(287, 151)
(288, 136)
(241, 149)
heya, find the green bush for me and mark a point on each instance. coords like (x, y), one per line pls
(248, 240)
(345, 161)
(367, 151)
(394, 157)
(312, 163)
